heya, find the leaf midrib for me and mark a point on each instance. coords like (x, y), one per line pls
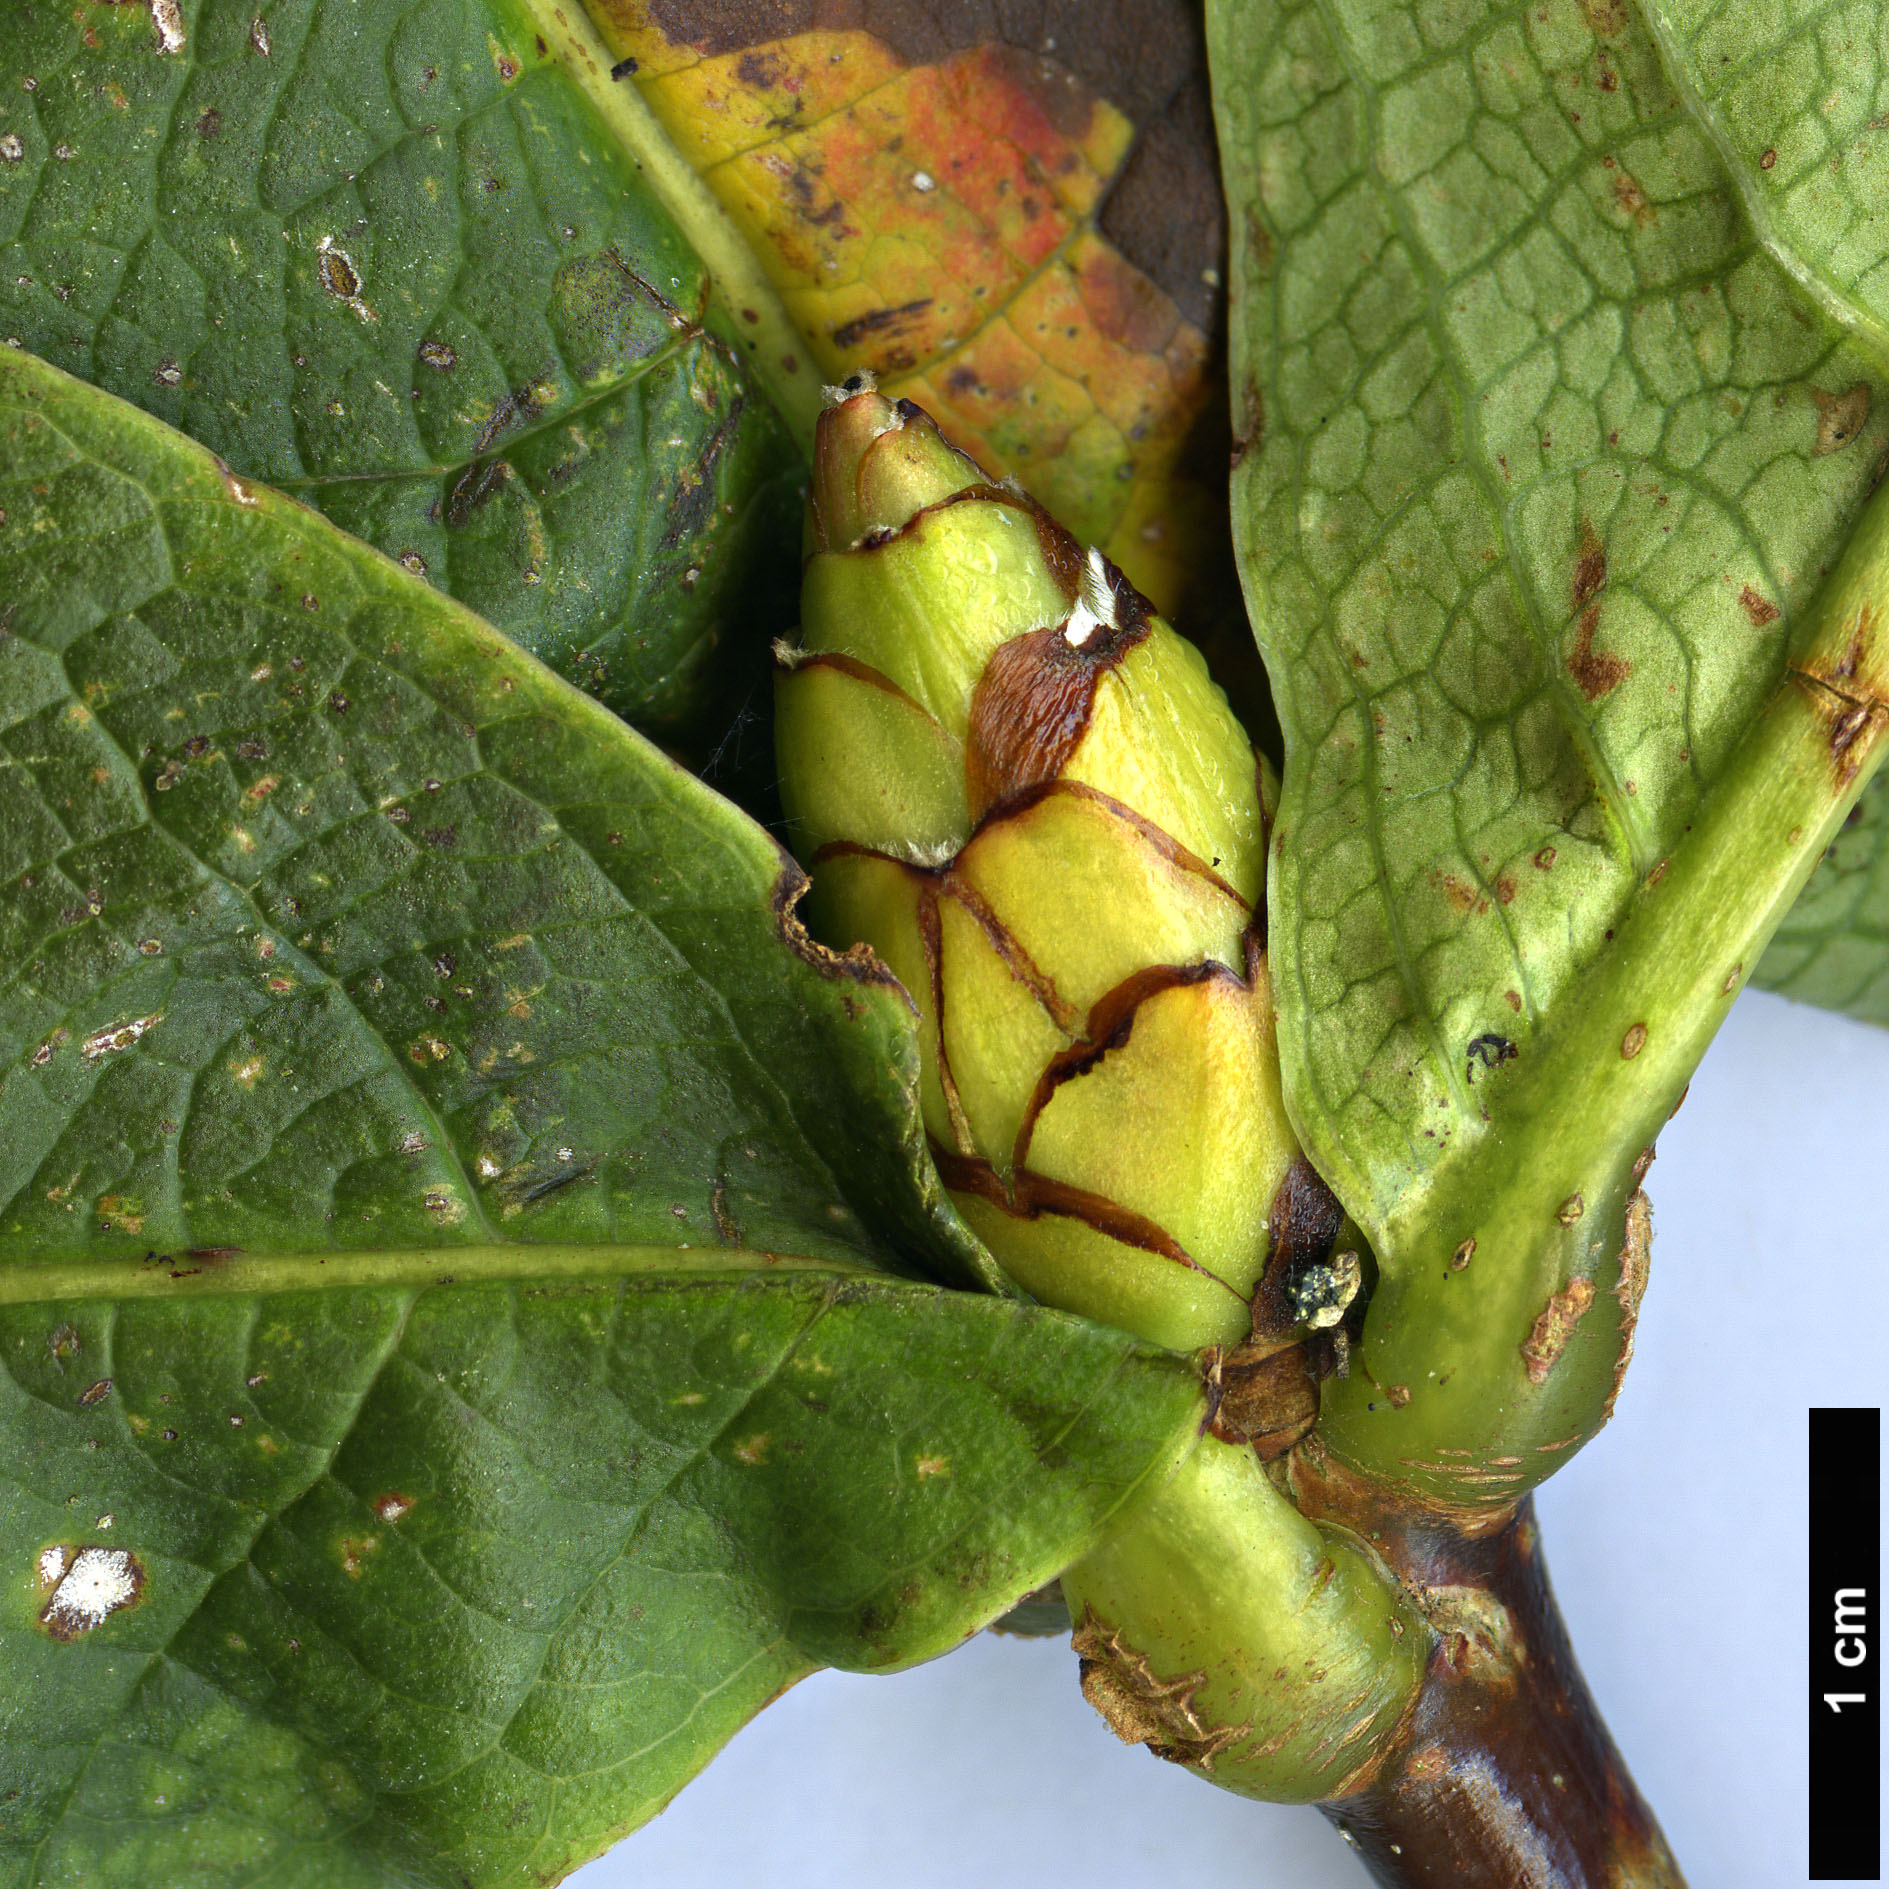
(216, 1273)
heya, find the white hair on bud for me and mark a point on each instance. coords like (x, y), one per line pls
(789, 655)
(929, 858)
(1095, 608)
(864, 382)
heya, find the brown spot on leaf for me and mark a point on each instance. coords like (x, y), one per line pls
(1769, 159)
(1760, 609)
(1840, 417)
(391, 1506)
(1632, 200)
(887, 322)
(1633, 1042)
(1596, 673)
(1555, 1327)
(1606, 19)
(1464, 897)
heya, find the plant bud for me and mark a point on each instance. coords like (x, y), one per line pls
(1021, 788)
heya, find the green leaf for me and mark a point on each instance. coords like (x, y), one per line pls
(1544, 463)
(446, 1386)
(335, 920)
(1790, 96)
(455, 1585)
(1833, 949)
(397, 262)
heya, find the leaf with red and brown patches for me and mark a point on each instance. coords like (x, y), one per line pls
(1015, 221)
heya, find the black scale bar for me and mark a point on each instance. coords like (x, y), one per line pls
(1845, 1624)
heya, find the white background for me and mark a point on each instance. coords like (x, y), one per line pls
(1676, 1543)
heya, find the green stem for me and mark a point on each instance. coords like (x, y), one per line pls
(1225, 1631)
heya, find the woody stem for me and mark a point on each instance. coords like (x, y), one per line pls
(1505, 1776)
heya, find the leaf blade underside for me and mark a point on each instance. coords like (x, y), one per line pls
(1544, 457)
(1792, 98)
(1548, 497)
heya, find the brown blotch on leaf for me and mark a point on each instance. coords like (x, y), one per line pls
(1606, 19)
(1840, 417)
(1552, 1330)
(886, 323)
(1632, 200)
(1464, 897)
(1633, 1042)
(1590, 566)
(1596, 672)
(1760, 609)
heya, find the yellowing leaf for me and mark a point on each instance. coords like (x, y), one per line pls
(1024, 240)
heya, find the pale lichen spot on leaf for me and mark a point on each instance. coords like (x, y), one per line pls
(354, 1550)
(391, 1506)
(168, 17)
(446, 1206)
(91, 1585)
(342, 280)
(117, 1036)
(753, 1450)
